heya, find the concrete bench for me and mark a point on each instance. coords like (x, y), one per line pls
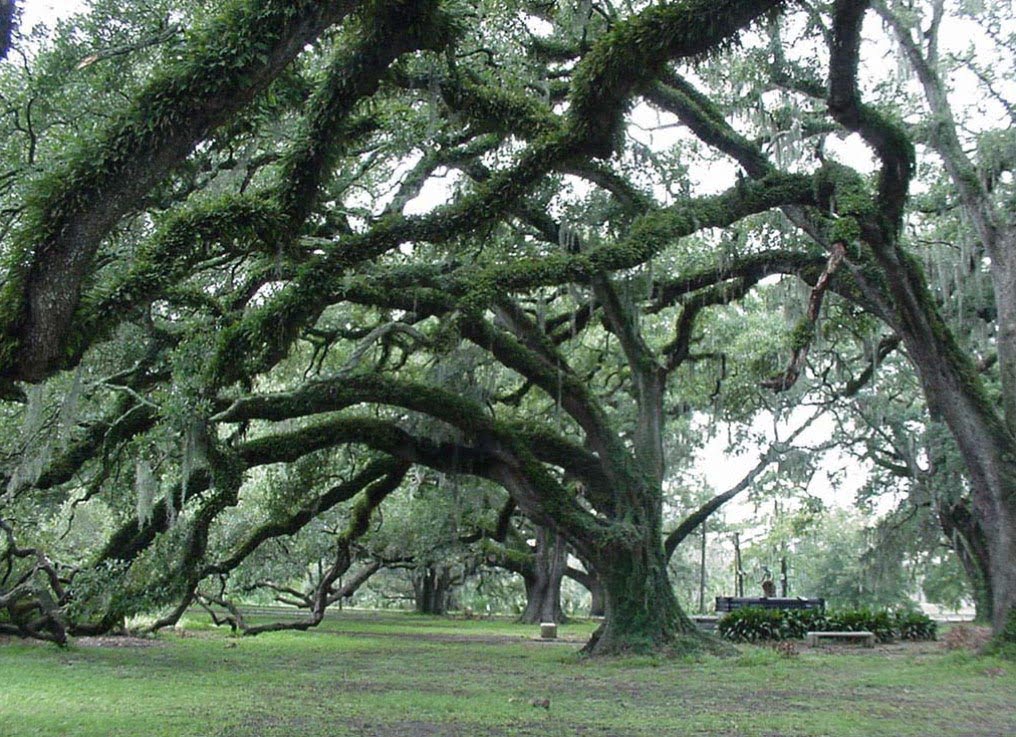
(865, 639)
(705, 623)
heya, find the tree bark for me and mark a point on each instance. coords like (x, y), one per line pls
(968, 542)
(597, 597)
(432, 586)
(641, 613)
(543, 587)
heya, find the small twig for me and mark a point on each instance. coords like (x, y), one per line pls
(160, 37)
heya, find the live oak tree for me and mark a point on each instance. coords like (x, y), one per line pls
(955, 392)
(982, 191)
(229, 264)
(889, 279)
(917, 461)
(509, 459)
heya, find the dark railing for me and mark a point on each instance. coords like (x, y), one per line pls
(730, 603)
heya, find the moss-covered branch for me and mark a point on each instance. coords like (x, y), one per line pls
(71, 210)
(344, 391)
(557, 382)
(504, 459)
(676, 95)
(272, 221)
(325, 593)
(331, 395)
(804, 332)
(628, 59)
(390, 30)
(678, 349)
(754, 267)
(195, 234)
(647, 237)
(643, 44)
(308, 512)
(887, 137)
(134, 536)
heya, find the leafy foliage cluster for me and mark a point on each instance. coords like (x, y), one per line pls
(234, 244)
(758, 624)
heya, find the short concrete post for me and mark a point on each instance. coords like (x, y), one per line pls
(548, 630)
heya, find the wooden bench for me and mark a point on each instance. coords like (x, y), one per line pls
(865, 639)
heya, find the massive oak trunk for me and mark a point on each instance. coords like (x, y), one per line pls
(641, 612)
(432, 589)
(543, 584)
(986, 437)
(988, 448)
(995, 506)
(968, 542)
(954, 392)
(597, 598)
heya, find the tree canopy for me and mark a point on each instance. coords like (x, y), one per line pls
(522, 242)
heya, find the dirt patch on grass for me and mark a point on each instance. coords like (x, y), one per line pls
(969, 637)
(264, 725)
(413, 728)
(117, 641)
(888, 649)
(467, 638)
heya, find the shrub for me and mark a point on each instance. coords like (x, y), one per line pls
(880, 624)
(798, 622)
(751, 624)
(757, 624)
(911, 625)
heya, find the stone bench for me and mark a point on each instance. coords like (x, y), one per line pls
(705, 623)
(865, 639)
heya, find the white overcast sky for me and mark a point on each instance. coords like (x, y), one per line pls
(46, 11)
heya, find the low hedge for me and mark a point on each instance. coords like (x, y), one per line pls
(911, 625)
(757, 624)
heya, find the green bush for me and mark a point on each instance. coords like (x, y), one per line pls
(757, 624)
(911, 625)
(751, 624)
(880, 623)
(798, 622)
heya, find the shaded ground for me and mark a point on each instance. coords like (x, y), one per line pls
(399, 675)
(118, 641)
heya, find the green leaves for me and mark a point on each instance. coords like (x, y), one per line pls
(759, 624)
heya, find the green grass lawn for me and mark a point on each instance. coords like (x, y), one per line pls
(403, 675)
